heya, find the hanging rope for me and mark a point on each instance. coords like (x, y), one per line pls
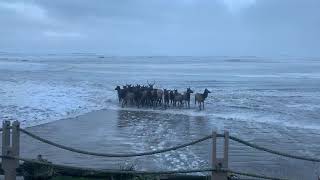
(273, 151)
(113, 155)
(141, 172)
(168, 149)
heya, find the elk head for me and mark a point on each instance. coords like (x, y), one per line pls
(151, 85)
(189, 90)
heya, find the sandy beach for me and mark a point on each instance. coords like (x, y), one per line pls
(72, 100)
(125, 131)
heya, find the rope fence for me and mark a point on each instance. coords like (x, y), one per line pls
(273, 151)
(183, 171)
(169, 149)
(220, 165)
(113, 155)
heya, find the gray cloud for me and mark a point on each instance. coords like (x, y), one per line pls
(162, 27)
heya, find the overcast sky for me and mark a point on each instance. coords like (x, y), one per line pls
(162, 27)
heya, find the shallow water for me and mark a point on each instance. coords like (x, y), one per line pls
(270, 101)
(126, 131)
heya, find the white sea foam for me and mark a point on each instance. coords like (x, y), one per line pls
(22, 66)
(308, 107)
(281, 75)
(57, 89)
(35, 103)
(173, 111)
(266, 119)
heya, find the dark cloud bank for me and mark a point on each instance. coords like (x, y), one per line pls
(162, 27)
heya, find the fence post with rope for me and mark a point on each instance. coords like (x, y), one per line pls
(11, 148)
(220, 171)
(220, 163)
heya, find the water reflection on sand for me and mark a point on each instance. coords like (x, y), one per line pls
(125, 131)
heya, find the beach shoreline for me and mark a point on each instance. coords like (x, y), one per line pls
(110, 131)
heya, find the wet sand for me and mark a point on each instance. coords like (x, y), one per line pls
(125, 131)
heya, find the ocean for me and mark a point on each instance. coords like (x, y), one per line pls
(274, 102)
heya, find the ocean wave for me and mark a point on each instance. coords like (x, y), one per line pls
(266, 119)
(44, 90)
(35, 103)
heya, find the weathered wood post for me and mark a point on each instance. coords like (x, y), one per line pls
(220, 163)
(10, 147)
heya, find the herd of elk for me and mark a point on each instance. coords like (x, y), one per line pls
(148, 96)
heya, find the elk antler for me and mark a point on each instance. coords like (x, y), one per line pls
(150, 83)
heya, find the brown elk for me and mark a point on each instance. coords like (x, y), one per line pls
(186, 97)
(201, 97)
(166, 98)
(129, 95)
(178, 98)
(129, 98)
(121, 93)
(157, 98)
(171, 97)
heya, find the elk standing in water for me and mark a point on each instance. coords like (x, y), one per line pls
(166, 98)
(201, 97)
(129, 97)
(178, 98)
(121, 93)
(186, 97)
(137, 95)
(171, 96)
(158, 97)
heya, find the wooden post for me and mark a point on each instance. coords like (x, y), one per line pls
(220, 163)
(226, 149)
(16, 140)
(10, 147)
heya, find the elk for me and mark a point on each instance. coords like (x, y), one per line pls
(129, 95)
(129, 98)
(144, 98)
(166, 98)
(121, 93)
(137, 95)
(171, 97)
(186, 97)
(201, 97)
(178, 98)
(157, 95)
